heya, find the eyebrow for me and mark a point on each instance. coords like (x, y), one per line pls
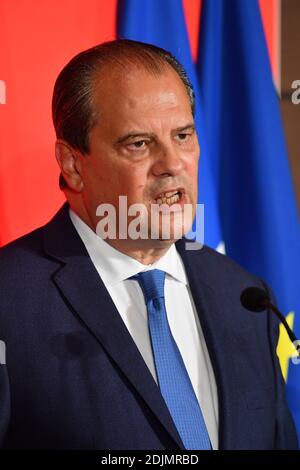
(125, 137)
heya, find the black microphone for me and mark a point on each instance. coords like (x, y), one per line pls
(257, 300)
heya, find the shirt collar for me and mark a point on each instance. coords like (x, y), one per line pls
(114, 266)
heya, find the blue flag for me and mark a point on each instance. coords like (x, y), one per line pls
(246, 145)
(162, 23)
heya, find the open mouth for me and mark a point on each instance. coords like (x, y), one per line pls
(169, 197)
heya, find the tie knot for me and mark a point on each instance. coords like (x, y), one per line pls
(152, 284)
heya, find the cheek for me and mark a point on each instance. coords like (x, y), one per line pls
(134, 178)
(134, 188)
(192, 170)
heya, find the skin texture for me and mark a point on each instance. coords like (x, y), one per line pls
(143, 144)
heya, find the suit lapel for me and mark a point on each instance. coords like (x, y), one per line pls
(83, 289)
(217, 337)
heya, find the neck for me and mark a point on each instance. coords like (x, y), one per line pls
(145, 253)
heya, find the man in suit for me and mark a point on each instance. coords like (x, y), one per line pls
(131, 343)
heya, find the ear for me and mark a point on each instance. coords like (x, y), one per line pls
(68, 160)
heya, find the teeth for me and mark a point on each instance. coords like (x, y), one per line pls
(170, 194)
(169, 200)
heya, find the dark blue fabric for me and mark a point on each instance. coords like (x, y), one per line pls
(74, 378)
(174, 381)
(247, 149)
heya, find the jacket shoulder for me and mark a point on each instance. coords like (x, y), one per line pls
(24, 246)
(31, 245)
(217, 268)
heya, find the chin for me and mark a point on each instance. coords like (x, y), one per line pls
(172, 230)
(167, 237)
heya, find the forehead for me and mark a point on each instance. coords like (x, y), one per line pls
(138, 90)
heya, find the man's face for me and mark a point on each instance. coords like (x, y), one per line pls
(144, 145)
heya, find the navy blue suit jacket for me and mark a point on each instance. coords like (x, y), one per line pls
(74, 378)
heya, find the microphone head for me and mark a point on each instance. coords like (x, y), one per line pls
(254, 299)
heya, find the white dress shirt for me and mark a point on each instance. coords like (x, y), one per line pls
(115, 268)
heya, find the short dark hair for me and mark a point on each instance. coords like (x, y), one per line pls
(73, 111)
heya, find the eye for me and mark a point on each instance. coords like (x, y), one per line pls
(183, 136)
(137, 145)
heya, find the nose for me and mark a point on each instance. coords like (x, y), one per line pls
(167, 162)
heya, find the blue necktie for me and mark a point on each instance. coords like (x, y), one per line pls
(173, 379)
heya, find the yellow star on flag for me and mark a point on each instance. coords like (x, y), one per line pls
(285, 348)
